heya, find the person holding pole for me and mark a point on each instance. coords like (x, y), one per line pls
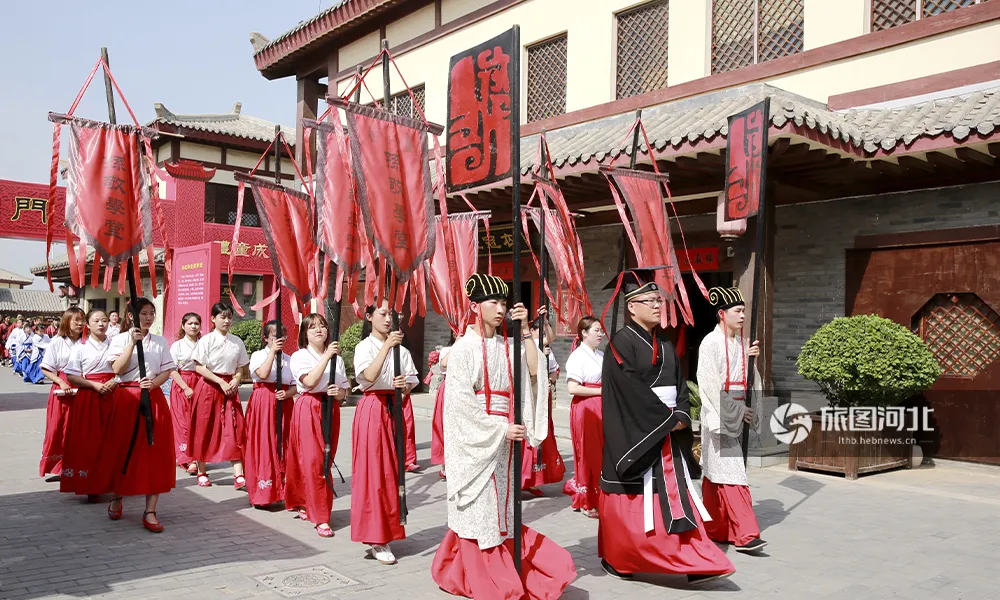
(476, 557)
(375, 504)
(651, 518)
(264, 465)
(150, 468)
(217, 423)
(307, 489)
(722, 375)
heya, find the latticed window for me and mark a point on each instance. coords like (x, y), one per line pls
(547, 65)
(962, 332)
(402, 103)
(892, 13)
(642, 49)
(747, 32)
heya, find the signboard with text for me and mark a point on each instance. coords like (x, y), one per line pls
(746, 144)
(25, 211)
(499, 240)
(702, 259)
(194, 283)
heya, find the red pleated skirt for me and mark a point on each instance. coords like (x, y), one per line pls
(543, 464)
(217, 424)
(437, 428)
(731, 507)
(85, 470)
(305, 483)
(180, 411)
(263, 468)
(410, 431)
(53, 444)
(587, 430)
(623, 542)
(151, 469)
(374, 496)
(461, 568)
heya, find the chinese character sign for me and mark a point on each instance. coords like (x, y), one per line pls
(746, 145)
(479, 114)
(26, 210)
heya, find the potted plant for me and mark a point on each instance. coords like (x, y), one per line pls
(865, 366)
(248, 330)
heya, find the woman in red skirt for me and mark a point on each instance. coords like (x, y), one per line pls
(53, 366)
(307, 489)
(583, 380)
(217, 423)
(543, 464)
(150, 469)
(265, 466)
(437, 425)
(374, 501)
(182, 389)
(89, 371)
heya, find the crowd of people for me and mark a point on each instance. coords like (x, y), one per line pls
(630, 424)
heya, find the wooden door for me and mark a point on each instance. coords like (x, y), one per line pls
(949, 295)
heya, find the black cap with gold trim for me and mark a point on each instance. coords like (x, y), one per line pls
(480, 288)
(725, 298)
(635, 282)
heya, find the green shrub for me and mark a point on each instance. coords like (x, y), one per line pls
(249, 331)
(867, 360)
(348, 341)
(695, 398)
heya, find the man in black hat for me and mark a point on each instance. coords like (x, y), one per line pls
(722, 376)
(651, 515)
(475, 558)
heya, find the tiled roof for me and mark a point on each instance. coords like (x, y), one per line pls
(337, 18)
(9, 277)
(704, 117)
(61, 261)
(232, 123)
(30, 301)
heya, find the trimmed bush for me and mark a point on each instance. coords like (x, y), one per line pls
(348, 341)
(867, 360)
(249, 331)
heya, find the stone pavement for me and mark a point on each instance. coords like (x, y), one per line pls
(932, 532)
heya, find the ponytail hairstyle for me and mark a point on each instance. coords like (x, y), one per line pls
(191, 315)
(274, 326)
(585, 323)
(366, 327)
(140, 303)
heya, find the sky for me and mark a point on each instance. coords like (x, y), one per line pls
(191, 56)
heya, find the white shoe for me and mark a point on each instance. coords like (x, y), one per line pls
(384, 555)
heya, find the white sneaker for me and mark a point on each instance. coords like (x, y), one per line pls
(384, 555)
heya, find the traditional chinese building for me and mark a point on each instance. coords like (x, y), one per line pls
(884, 137)
(198, 155)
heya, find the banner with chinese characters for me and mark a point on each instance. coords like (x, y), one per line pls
(195, 287)
(479, 114)
(25, 210)
(746, 145)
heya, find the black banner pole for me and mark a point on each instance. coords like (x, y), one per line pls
(622, 240)
(515, 159)
(543, 278)
(762, 216)
(145, 406)
(277, 308)
(397, 406)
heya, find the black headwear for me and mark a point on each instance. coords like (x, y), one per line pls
(725, 298)
(480, 288)
(635, 282)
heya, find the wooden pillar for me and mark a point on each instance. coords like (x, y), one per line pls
(307, 104)
(743, 273)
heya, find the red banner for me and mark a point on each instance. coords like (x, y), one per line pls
(479, 113)
(389, 155)
(455, 260)
(26, 209)
(571, 301)
(286, 218)
(746, 149)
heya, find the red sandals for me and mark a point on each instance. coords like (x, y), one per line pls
(115, 515)
(154, 527)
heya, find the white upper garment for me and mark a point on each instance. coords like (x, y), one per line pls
(57, 354)
(260, 357)
(89, 358)
(364, 356)
(38, 343)
(156, 356)
(181, 352)
(305, 360)
(222, 355)
(584, 365)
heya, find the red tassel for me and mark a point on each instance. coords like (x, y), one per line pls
(236, 304)
(95, 271)
(137, 274)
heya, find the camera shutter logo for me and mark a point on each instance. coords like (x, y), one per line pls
(791, 423)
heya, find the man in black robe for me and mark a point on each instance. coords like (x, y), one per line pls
(651, 515)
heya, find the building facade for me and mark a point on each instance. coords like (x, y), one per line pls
(883, 170)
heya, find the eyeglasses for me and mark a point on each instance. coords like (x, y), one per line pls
(652, 302)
